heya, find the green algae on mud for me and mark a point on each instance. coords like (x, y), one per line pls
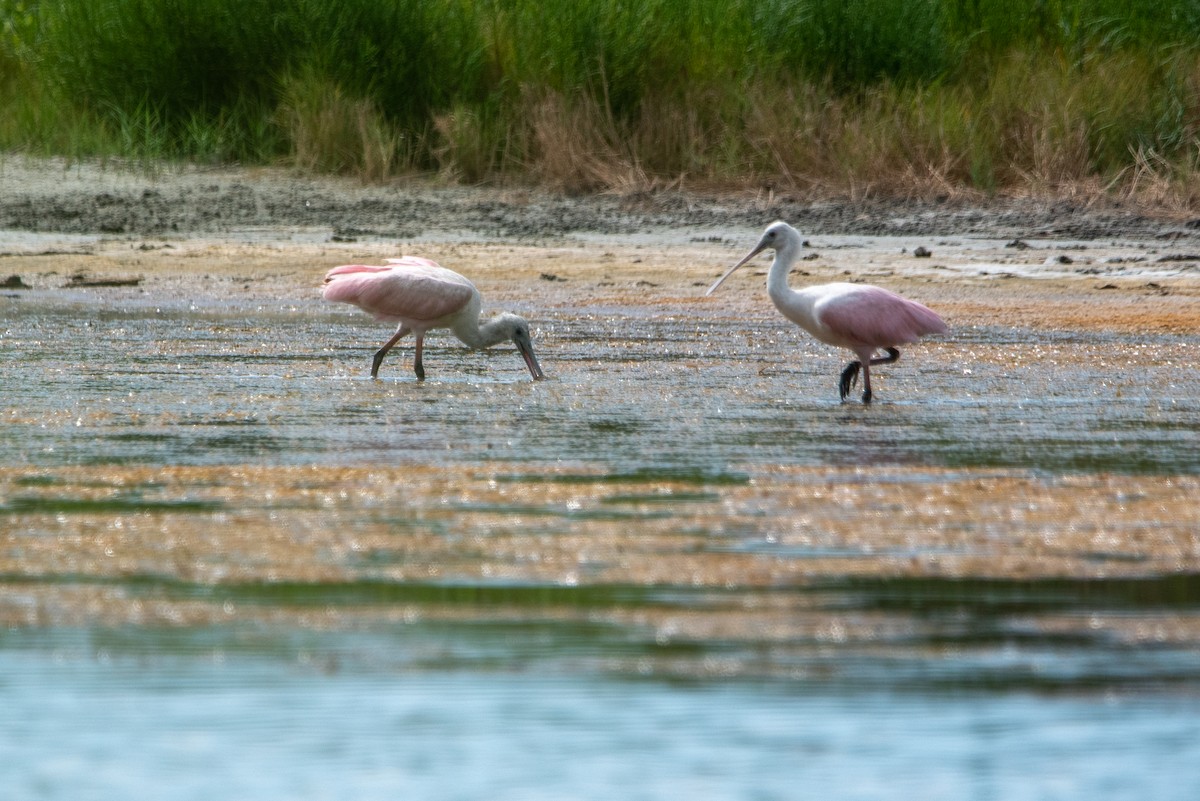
(333, 535)
(826, 577)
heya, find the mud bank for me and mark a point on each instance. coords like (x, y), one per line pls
(70, 198)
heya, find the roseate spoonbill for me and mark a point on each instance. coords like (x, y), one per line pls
(421, 295)
(860, 317)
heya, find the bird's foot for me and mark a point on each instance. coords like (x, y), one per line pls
(867, 396)
(420, 371)
(849, 379)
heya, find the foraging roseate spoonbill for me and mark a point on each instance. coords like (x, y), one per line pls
(421, 295)
(860, 317)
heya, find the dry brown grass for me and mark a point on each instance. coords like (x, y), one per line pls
(575, 145)
(1037, 126)
(332, 132)
(1153, 182)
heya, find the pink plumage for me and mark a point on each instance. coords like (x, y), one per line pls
(871, 316)
(408, 290)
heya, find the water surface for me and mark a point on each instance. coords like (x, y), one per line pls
(234, 566)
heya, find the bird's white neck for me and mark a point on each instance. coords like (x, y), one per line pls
(478, 336)
(796, 305)
(777, 280)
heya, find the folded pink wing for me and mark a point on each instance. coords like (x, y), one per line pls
(873, 316)
(409, 290)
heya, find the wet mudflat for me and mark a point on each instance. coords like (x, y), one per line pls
(678, 567)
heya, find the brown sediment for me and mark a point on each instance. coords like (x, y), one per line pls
(74, 537)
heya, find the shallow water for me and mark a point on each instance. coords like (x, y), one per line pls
(290, 386)
(235, 566)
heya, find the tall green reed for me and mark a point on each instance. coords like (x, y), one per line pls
(872, 95)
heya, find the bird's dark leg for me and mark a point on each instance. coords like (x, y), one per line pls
(892, 355)
(419, 368)
(378, 360)
(849, 379)
(850, 374)
(379, 354)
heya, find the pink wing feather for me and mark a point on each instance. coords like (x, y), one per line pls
(875, 317)
(409, 290)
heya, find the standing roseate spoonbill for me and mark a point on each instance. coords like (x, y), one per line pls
(421, 295)
(860, 317)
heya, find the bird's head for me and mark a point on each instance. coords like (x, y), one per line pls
(779, 235)
(511, 326)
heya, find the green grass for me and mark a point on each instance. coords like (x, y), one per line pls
(862, 96)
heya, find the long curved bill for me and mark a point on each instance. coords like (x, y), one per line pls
(531, 361)
(729, 272)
